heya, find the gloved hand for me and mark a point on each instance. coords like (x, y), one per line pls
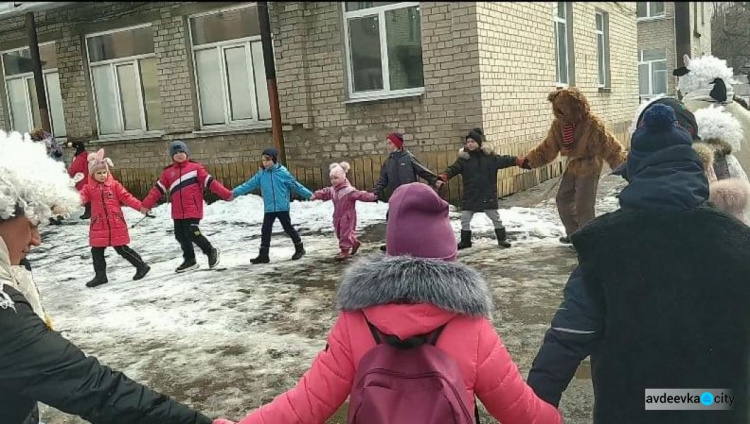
(522, 162)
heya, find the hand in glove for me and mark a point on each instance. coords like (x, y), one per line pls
(522, 162)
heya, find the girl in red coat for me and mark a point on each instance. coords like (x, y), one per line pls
(80, 166)
(417, 288)
(108, 226)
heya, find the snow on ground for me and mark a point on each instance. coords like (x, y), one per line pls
(227, 340)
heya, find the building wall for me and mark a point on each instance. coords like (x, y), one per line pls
(700, 19)
(476, 73)
(660, 33)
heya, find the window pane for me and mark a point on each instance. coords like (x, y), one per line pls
(54, 98)
(126, 43)
(129, 97)
(106, 107)
(238, 84)
(600, 58)
(19, 62)
(657, 8)
(643, 84)
(36, 116)
(600, 22)
(359, 5)
(261, 85)
(562, 53)
(151, 99)
(653, 54)
(641, 10)
(404, 48)
(226, 25)
(561, 9)
(364, 41)
(210, 87)
(660, 81)
(48, 56)
(18, 98)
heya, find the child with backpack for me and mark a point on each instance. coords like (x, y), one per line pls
(478, 166)
(184, 181)
(414, 312)
(108, 226)
(344, 198)
(276, 185)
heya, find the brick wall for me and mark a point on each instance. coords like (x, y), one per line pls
(476, 73)
(700, 19)
(660, 33)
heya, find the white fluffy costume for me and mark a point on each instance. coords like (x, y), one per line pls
(707, 81)
(31, 184)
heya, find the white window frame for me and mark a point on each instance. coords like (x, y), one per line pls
(650, 64)
(221, 46)
(564, 21)
(386, 92)
(604, 34)
(649, 16)
(113, 64)
(26, 76)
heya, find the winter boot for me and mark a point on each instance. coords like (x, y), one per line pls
(465, 240)
(299, 251)
(100, 268)
(187, 265)
(342, 256)
(213, 258)
(98, 280)
(356, 247)
(382, 248)
(86, 212)
(565, 240)
(502, 237)
(141, 272)
(262, 257)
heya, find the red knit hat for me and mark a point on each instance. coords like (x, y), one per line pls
(397, 139)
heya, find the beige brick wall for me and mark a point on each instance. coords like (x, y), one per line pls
(700, 19)
(653, 34)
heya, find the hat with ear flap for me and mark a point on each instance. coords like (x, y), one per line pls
(97, 161)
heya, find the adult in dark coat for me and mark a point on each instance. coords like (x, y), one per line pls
(478, 167)
(660, 297)
(38, 364)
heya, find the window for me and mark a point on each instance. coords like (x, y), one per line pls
(124, 79)
(650, 9)
(21, 90)
(563, 48)
(229, 67)
(384, 48)
(602, 49)
(652, 72)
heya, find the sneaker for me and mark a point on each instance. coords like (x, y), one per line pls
(141, 272)
(213, 258)
(187, 265)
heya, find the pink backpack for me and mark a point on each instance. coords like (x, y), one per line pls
(408, 382)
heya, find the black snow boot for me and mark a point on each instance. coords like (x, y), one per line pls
(262, 257)
(299, 251)
(213, 258)
(86, 212)
(98, 280)
(382, 248)
(141, 272)
(187, 265)
(502, 237)
(465, 240)
(565, 240)
(100, 268)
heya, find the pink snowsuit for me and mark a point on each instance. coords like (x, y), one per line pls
(345, 198)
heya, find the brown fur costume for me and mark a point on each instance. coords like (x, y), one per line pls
(593, 142)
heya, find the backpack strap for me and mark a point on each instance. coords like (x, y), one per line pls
(429, 338)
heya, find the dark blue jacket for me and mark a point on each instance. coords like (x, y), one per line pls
(669, 179)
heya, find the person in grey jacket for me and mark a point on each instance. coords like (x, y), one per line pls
(400, 168)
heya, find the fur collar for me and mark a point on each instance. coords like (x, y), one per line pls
(463, 154)
(379, 280)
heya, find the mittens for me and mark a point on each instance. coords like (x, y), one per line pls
(522, 162)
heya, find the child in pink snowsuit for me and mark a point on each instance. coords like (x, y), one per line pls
(344, 198)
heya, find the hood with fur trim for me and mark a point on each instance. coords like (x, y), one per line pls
(463, 154)
(380, 280)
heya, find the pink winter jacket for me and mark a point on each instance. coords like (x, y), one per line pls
(435, 294)
(345, 198)
(732, 196)
(108, 226)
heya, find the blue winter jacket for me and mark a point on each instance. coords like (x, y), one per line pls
(275, 184)
(669, 179)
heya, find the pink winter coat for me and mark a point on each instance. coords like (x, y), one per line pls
(345, 198)
(108, 226)
(80, 164)
(732, 196)
(436, 293)
(184, 182)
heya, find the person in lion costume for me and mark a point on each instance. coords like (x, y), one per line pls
(578, 134)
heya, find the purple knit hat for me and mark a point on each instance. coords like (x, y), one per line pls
(418, 224)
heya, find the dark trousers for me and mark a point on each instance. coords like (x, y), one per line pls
(286, 222)
(186, 232)
(100, 264)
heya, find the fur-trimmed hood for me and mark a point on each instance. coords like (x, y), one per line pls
(463, 154)
(381, 280)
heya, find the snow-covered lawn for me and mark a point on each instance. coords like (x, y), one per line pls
(230, 339)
